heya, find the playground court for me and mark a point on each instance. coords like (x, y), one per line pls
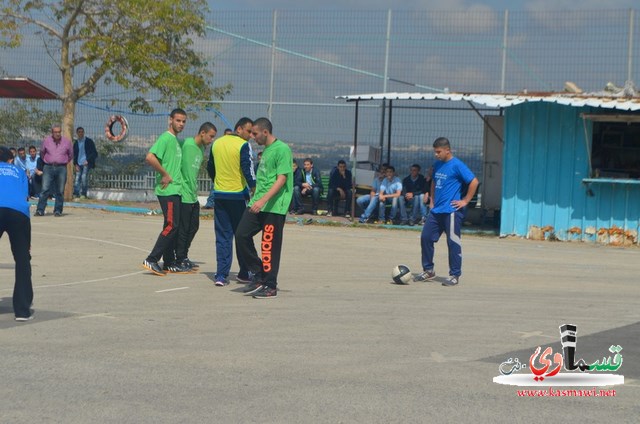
(111, 343)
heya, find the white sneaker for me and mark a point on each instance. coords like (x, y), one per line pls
(23, 319)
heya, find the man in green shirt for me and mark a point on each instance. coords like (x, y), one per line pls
(192, 154)
(266, 212)
(165, 157)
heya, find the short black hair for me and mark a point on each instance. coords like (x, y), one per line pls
(264, 123)
(5, 154)
(391, 168)
(441, 142)
(415, 165)
(242, 122)
(79, 128)
(340, 162)
(308, 160)
(20, 149)
(178, 111)
(206, 127)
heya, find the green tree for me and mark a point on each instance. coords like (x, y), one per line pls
(24, 122)
(145, 46)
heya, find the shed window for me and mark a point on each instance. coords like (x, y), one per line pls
(616, 150)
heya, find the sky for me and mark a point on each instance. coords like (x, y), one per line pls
(422, 4)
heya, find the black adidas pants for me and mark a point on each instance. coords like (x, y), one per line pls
(189, 225)
(267, 265)
(18, 226)
(165, 246)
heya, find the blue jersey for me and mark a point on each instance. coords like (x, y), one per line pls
(448, 178)
(15, 188)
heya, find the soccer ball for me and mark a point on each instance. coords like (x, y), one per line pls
(401, 274)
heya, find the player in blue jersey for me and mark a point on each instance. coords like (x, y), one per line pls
(450, 177)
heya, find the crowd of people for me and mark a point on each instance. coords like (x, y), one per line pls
(46, 170)
(248, 198)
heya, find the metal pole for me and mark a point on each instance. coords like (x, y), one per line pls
(353, 166)
(385, 77)
(504, 50)
(382, 118)
(630, 51)
(386, 53)
(273, 63)
(389, 132)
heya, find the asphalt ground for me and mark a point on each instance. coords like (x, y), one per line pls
(112, 343)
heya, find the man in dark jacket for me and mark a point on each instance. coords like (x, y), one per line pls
(340, 184)
(84, 159)
(309, 183)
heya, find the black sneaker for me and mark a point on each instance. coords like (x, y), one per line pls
(187, 262)
(253, 288)
(176, 269)
(266, 292)
(39, 213)
(57, 214)
(153, 267)
(426, 275)
(244, 279)
(451, 281)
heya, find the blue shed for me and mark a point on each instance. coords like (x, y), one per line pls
(570, 163)
(571, 171)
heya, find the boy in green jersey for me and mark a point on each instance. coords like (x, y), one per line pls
(267, 212)
(192, 154)
(165, 157)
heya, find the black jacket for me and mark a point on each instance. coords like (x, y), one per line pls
(89, 149)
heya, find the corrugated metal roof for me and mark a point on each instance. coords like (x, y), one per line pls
(506, 100)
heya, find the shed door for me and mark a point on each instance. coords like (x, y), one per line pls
(491, 187)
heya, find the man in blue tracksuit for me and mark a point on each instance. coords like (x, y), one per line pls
(230, 167)
(450, 175)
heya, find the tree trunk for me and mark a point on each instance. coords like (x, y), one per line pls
(68, 117)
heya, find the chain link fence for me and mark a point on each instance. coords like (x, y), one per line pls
(290, 65)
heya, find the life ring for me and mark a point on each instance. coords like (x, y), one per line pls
(124, 128)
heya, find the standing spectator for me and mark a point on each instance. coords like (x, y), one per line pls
(21, 160)
(84, 159)
(294, 207)
(33, 173)
(415, 193)
(211, 199)
(340, 188)
(450, 174)
(165, 157)
(56, 152)
(14, 220)
(230, 167)
(390, 193)
(192, 155)
(267, 212)
(310, 185)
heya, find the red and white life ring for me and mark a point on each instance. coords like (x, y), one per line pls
(124, 128)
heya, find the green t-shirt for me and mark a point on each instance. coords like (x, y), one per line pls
(168, 151)
(192, 155)
(276, 160)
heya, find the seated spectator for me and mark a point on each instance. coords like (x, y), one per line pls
(369, 202)
(340, 188)
(33, 173)
(415, 192)
(294, 207)
(308, 184)
(390, 193)
(20, 159)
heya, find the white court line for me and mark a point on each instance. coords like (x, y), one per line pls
(169, 290)
(76, 283)
(92, 239)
